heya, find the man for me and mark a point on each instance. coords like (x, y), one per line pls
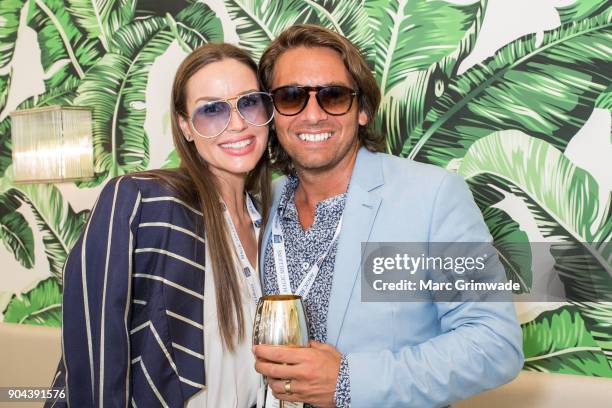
(339, 193)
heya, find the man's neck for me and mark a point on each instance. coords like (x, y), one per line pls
(318, 185)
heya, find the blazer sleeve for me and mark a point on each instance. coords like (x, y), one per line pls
(480, 345)
(95, 366)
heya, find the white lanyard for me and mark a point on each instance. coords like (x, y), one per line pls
(280, 260)
(250, 274)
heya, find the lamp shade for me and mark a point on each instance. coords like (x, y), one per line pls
(52, 143)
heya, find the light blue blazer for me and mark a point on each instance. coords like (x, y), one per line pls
(413, 354)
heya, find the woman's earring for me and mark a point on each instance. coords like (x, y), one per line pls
(269, 149)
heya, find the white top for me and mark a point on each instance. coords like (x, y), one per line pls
(231, 379)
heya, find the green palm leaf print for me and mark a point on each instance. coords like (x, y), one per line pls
(5, 145)
(579, 9)
(410, 38)
(58, 224)
(546, 91)
(510, 242)
(196, 25)
(9, 25)
(100, 19)
(564, 202)
(66, 51)
(558, 341)
(15, 232)
(555, 191)
(258, 21)
(41, 306)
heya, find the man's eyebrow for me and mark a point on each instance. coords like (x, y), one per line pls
(336, 83)
(217, 98)
(332, 83)
(289, 84)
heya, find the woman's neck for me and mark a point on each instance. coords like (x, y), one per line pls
(231, 189)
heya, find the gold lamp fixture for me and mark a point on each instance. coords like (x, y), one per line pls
(53, 143)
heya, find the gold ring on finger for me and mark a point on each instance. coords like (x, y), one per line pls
(288, 387)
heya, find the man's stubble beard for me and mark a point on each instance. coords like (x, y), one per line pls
(328, 165)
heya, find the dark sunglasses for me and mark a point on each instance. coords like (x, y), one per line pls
(291, 100)
(212, 118)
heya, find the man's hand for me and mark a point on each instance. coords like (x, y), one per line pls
(312, 371)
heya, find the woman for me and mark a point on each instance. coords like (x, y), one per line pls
(160, 290)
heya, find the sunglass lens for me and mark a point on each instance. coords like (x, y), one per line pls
(335, 100)
(256, 108)
(211, 118)
(290, 100)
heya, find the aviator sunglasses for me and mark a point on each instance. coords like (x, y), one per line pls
(335, 100)
(213, 117)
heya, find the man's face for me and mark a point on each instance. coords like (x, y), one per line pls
(315, 140)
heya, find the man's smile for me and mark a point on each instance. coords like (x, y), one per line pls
(315, 137)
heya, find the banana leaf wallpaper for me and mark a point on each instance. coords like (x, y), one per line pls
(513, 95)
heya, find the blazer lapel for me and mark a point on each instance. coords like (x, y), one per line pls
(362, 205)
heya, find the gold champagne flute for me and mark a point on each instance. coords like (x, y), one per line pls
(280, 321)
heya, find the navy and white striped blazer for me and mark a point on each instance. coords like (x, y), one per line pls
(133, 301)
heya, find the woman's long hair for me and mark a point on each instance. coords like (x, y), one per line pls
(195, 184)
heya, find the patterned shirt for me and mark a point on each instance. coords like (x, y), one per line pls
(303, 248)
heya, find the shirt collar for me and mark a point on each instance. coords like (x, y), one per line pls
(286, 205)
(287, 196)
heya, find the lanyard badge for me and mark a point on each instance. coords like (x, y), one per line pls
(280, 261)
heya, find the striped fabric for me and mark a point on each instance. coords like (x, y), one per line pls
(133, 302)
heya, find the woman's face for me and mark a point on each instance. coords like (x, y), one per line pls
(238, 148)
